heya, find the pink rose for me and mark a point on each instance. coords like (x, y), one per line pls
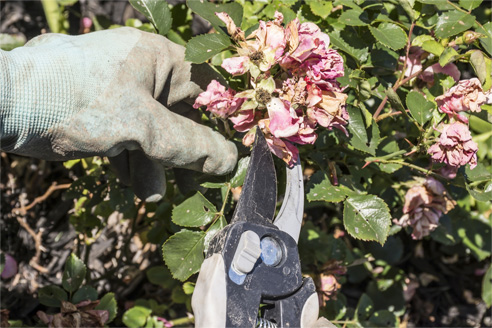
(327, 108)
(455, 146)
(220, 102)
(464, 96)
(244, 120)
(236, 65)
(283, 120)
(449, 69)
(414, 64)
(425, 202)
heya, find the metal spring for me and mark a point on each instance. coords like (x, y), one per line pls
(263, 323)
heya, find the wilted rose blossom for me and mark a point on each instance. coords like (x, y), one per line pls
(425, 202)
(260, 51)
(467, 95)
(329, 287)
(293, 86)
(414, 64)
(218, 100)
(327, 108)
(455, 146)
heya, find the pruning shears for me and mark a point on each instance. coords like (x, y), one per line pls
(255, 260)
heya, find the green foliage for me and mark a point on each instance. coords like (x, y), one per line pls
(136, 317)
(391, 35)
(419, 107)
(52, 296)
(74, 273)
(183, 253)
(157, 12)
(203, 47)
(367, 217)
(108, 303)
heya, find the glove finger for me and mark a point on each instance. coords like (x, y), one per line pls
(147, 176)
(177, 141)
(120, 166)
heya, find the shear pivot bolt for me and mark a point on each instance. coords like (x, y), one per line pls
(271, 252)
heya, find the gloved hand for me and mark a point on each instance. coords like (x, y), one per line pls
(109, 93)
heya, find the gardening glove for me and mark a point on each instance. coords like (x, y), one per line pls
(111, 93)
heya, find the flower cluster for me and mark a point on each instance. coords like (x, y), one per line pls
(425, 202)
(455, 146)
(293, 83)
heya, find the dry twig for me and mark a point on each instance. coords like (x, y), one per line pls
(23, 209)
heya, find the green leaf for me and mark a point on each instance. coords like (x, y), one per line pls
(83, 294)
(203, 47)
(449, 55)
(419, 107)
(183, 253)
(136, 317)
(74, 273)
(319, 188)
(453, 22)
(52, 296)
(486, 41)
(208, 9)
(359, 138)
(470, 4)
(419, 40)
(196, 211)
(367, 217)
(9, 42)
(389, 34)
(157, 12)
(321, 8)
(407, 5)
(188, 288)
(479, 173)
(477, 236)
(487, 287)
(354, 17)
(477, 59)
(364, 308)
(240, 173)
(108, 303)
(161, 276)
(382, 318)
(484, 195)
(213, 229)
(394, 99)
(358, 54)
(433, 47)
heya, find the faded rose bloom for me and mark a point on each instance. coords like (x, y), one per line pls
(327, 108)
(466, 95)
(306, 133)
(414, 64)
(448, 171)
(282, 149)
(294, 90)
(449, 69)
(262, 49)
(245, 119)
(329, 287)
(235, 32)
(425, 202)
(284, 122)
(10, 268)
(455, 146)
(220, 102)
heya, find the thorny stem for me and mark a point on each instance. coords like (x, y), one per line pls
(397, 85)
(410, 31)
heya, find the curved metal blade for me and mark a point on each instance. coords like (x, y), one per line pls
(289, 218)
(259, 194)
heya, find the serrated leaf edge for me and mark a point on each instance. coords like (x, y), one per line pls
(345, 208)
(164, 256)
